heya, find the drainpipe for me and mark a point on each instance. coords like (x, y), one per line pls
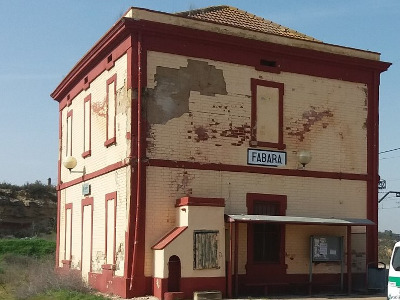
(139, 156)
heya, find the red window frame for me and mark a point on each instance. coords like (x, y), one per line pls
(67, 260)
(68, 144)
(85, 202)
(108, 197)
(281, 200)
(254, 141)
(87, 131)
(111, 136)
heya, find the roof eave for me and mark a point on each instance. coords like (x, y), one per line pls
(115, 32)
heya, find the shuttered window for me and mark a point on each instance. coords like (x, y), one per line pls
(205, 248)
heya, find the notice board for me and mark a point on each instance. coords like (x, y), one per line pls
(326, 248)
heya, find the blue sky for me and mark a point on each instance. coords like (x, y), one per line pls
(40, 41)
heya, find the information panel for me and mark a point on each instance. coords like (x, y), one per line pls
(327, 248)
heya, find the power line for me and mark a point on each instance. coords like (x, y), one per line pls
(395, 149)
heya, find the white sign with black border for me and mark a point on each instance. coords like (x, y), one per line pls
(266, 158)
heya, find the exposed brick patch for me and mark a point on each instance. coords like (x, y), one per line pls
(201, 134)
(309, 118)
(99, 108)
(242, 133)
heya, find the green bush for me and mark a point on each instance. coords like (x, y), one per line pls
(31, 247)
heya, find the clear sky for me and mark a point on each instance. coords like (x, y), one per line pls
(40, 41)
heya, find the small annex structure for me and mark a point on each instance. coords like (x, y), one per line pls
(215, 150)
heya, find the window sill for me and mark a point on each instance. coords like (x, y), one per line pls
(279, 146)
(87, 153)
(108, 267)
(110, 142)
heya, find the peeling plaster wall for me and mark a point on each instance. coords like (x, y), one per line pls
(323, 115)
(100, 158)
(190, 120)
(111, 182)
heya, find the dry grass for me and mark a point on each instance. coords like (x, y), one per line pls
(23, 277)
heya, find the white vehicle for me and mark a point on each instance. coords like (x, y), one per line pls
(394, 273)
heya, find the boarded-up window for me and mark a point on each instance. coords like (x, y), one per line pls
(111, 110)
(205, 250)
(267, 113)
(68, 231)
(87, 127)
(111, 202)
(68, 143)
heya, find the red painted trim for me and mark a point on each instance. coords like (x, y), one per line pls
(69, 100)
(281, 200)
(87, 131)
(373, 168)
(108, 267)
(197, 201)
(86, 202)
(168, 238)
(109, 197)
(66, 207)
(110, 136)
(137, 270)
(189, 285)
(86, 83)
(130, 234)
(254, 169)
(233, 49)
(116, 41)
(60, 141)
(105, 170)
(87, 154)
(110, 62)
(110, 142)
(58, 229)
(229, 263)
(254, 141)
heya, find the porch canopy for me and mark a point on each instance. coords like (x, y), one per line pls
(297, 220)
(242, 218)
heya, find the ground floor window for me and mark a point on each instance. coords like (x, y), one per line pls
(266, 240)
(205, 250)
(266, 236)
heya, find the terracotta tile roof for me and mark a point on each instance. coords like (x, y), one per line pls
(232, 16)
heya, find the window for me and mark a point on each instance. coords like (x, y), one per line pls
(205, 250)
(87, 126)
(396, 259)
(111, 205)
(68, 144)
(68, 231)
(111, 111)
(266, 236)
(266, 240)
(267, 114)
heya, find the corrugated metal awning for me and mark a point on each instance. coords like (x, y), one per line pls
(297, 220)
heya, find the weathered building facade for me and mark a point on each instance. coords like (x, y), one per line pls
(187, 129)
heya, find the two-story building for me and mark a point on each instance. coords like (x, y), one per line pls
(216, 150)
